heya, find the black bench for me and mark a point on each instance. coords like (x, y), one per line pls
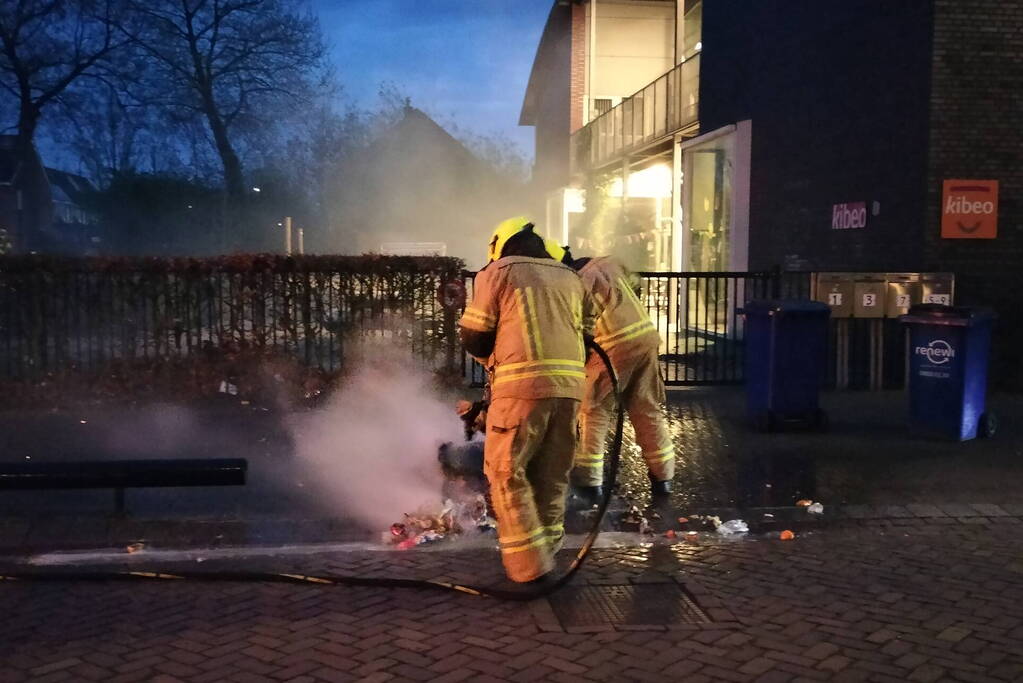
(122, 474)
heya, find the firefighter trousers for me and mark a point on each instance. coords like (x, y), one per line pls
(527, 459)
(639, 380)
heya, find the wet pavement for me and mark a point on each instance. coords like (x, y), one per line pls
(884, 600)
(912, 572)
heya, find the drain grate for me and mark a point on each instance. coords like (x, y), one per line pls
(652, 604)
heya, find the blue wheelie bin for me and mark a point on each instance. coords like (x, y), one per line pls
(948, 363)
(786, 355)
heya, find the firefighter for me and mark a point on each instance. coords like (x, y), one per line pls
(626, 333)
(526, 323)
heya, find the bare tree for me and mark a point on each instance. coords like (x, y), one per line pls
(46, 48)
(48, 45)
(226, 62)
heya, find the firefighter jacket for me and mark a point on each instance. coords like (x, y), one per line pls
(538, 311)
(623, 320)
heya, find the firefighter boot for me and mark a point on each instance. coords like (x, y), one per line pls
(659, 489)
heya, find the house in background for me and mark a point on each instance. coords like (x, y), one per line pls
(709, 135)
(75, 228)
(417, 190)
(25, 202)
(42, 209)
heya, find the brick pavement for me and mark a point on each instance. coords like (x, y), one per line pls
(899, 599)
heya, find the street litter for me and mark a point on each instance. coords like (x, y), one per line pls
(670, 533)
(733, 526)
(428, 525)
(228, 388)
(815, 509)
(635, 517)
(683, 520)
(707, 521)
(786, 535)
(134, 547)
(803, 503)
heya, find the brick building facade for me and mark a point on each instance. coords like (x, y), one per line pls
(774, 116)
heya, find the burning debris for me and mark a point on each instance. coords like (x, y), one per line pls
(454, 518)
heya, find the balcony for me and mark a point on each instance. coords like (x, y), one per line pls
(655, 113)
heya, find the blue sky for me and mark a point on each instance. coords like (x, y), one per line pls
(466, 60)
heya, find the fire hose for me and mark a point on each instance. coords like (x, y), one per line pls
(528, 592)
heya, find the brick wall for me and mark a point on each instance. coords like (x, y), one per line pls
(838, 98)
(578, 66)
(976, 132)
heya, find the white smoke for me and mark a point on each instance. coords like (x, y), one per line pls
(372, 451)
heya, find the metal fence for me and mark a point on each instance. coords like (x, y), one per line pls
(83, 319)
(696, 316)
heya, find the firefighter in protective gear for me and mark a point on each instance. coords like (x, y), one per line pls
(626, 333)
(526, 323)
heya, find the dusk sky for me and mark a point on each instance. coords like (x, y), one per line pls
(466, 60)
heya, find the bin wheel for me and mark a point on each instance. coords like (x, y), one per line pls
(987, 426)
(820, 421)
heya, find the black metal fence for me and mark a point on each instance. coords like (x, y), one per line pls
(83, 315)
(696, 316)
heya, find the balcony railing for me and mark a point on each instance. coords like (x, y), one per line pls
(659, 110)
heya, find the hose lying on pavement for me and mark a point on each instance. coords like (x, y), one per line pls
(527, 592)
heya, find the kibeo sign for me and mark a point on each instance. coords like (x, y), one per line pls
(969, 209)
(849, 215)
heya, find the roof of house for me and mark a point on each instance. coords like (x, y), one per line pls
(68, 187)
(543, 62)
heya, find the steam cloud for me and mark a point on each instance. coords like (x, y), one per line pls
(372, 451)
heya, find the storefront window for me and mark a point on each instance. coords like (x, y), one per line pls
(708, 193)
(710, 200)
(632, 223)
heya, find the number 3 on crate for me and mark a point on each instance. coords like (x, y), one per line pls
(869, 300)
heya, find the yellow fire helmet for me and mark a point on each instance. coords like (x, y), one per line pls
(504, 230)
(555, 250)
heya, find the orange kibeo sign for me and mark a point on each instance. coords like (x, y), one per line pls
(969, 209)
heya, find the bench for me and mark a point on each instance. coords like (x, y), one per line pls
(122, 474)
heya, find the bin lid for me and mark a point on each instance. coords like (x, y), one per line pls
(785, 307)
(939, 314)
